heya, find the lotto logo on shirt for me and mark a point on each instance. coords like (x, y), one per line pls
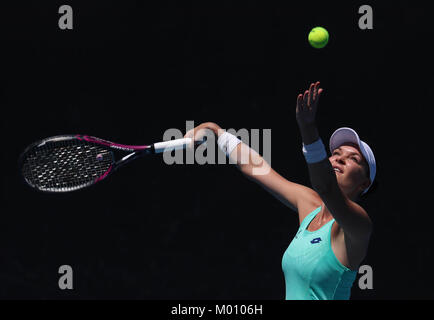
(316, 240)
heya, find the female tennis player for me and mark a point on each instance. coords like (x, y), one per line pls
(322, 260)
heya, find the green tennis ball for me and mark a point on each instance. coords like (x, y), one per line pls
(318, 37)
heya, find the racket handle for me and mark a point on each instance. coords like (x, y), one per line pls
(173, 145)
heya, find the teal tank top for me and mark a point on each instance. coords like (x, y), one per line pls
(311, 269)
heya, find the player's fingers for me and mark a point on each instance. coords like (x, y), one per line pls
(189, 133)
(315, 91)
(310, 96)
(305, 98)
(193, 134)
(200, 135)
(299, 103)
(320, 91)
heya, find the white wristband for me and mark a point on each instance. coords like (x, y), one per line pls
(227, 143)
(314, 152)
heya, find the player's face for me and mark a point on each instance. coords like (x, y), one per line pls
(350, 167)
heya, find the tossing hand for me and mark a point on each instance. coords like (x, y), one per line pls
(307, 105)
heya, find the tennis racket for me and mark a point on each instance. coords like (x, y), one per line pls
(72, 162)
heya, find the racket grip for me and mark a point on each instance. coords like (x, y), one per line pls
(172, 145)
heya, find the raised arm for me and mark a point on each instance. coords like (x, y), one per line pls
(351, 217)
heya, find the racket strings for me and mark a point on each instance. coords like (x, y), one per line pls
(66, 165)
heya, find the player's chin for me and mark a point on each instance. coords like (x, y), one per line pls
(342, 178)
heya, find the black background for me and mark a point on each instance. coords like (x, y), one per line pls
(129, 70)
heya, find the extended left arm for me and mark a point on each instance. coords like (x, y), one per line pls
(350, 216)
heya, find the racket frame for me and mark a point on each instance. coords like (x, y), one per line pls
(136, 151)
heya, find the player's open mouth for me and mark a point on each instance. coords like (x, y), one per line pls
(337, 169)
